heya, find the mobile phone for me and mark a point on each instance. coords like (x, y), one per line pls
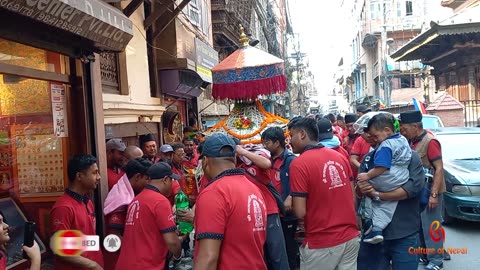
(29, 235)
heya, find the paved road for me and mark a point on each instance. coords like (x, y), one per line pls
(463, 234)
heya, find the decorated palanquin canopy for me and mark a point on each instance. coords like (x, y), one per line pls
(248, 73)
(247, 121)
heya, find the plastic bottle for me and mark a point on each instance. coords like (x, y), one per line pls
(182, 203)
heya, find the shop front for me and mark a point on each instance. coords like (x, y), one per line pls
(49, 103)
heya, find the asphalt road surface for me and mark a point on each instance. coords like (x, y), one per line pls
(462, 235)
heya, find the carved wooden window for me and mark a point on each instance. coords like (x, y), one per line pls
(113, 73)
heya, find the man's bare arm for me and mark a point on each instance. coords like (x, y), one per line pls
(208, 254)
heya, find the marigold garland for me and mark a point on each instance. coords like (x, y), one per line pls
(269, 118)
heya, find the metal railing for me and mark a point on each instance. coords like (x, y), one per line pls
(472, 112)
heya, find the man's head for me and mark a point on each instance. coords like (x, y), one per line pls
(362, 109)
(161, 176)
(350, 119)
(178, 153)
(341, 122)
(325, 130)
(132, 152)
(332, 119)
(83, 172)
(273, 139)
(166, 152)
(148, 145)
(381, 126)
(411, 125)
(361, 127)
(189, 145)
(303, 132)
(115, 153)
(218, 155)
(136, 170)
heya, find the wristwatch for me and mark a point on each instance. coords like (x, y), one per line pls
(434, 194)
(376, 196)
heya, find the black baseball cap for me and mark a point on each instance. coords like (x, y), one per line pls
(325, 129)
(160, 170)
(213, 145)
(363, 109)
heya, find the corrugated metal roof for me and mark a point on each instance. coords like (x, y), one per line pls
(464, 22)
(444, 103)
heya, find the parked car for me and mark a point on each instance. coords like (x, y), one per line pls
(461, 161)
(430, 122)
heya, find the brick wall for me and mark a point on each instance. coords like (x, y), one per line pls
(451, 118)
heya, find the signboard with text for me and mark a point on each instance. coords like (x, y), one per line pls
(207, 58)
(90, 19)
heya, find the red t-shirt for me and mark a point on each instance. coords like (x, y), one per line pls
(360, 148)
(191, 163)
(74, 212)
(324, 179)
(113, 177)
(342, 151)
(175, 189)
(3, 260)
(149, 216)
(275, 174)
(232, 209)
(115, 223)
(262, 175)
(434, 151)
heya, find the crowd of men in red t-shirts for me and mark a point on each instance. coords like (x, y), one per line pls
(246, 200)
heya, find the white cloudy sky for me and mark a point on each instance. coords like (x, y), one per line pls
(321, 28)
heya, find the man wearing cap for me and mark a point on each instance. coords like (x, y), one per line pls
(150, 229)
(149, 147)
(230, 214)
(430, 152)
(166, 153)
(363, 109)
(360, 147)
(326, 138)
(320, 182)
(115, 160)
(350, 136)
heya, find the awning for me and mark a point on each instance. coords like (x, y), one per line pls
(184, 83)
(426, 45)
(100, 25)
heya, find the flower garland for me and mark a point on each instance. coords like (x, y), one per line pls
(269, 118)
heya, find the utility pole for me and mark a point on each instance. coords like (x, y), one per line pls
(384, 69)
(298, 56)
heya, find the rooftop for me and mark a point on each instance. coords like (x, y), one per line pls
(444, 103)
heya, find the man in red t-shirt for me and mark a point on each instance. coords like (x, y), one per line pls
(115, 160)
(74, 211)
(191, 156)
(257, 165)
(150, 229)
(322, 196)
(118, 199)
(326, 138)
(230, 214)
(349, 135)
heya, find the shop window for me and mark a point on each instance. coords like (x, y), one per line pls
(16, 54)
(113, 73)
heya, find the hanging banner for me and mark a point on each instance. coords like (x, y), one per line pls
(59, 111)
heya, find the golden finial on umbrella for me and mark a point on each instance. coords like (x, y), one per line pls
(243, 37)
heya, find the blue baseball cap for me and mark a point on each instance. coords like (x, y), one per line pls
(213, 144)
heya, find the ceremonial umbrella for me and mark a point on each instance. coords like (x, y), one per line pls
(248, 73)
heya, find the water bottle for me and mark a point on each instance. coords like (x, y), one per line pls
(182, 203)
